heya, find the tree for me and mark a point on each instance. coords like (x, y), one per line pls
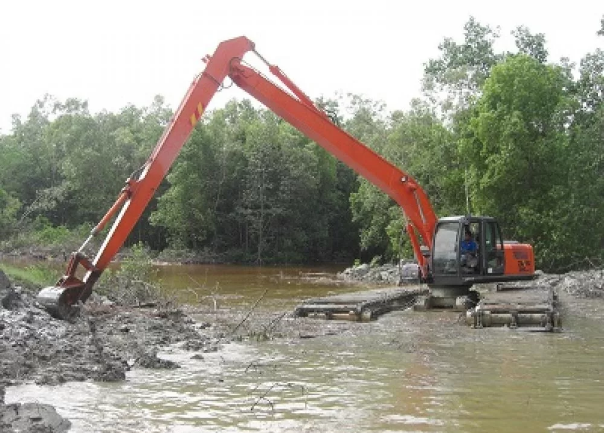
(31, 156)
(590, 85)
(516, 150)
(9, 206)
(531, 44)
(418, 143)
(369, 206)
(461, 70)
(198, 206)
(582, 207)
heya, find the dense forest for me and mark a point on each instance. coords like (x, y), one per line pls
(513, 135)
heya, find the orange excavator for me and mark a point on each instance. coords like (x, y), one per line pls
(441, 262)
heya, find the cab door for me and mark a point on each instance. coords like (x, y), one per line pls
(491, 244)
(445, 251)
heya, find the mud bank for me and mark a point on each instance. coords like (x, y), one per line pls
(102, 344)
(384, 274)
(579, 284)
(30, 417)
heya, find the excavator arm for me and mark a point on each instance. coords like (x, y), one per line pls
(295, 107)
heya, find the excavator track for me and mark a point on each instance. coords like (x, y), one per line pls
(523, 308)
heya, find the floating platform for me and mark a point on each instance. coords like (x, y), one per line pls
(360, 306)
(526, 308)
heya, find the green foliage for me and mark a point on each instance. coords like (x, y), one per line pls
(135, 281)
(138, 265)
(500, 133)
(451, 80)
(417, 142)
(9, 207)
(252, 186)
(589, 88)
(517, 134)
(516, 151)
(47, 234)
(34, 276)
(524, 166)
(375, 261)
(43, 238)
(531, 45)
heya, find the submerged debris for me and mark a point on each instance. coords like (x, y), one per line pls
(149, 359)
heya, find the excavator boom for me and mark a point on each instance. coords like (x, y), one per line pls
(141, 187)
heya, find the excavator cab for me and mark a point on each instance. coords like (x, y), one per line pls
(467, 250)
(470, 249)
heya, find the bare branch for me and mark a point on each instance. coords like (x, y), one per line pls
(250, 311)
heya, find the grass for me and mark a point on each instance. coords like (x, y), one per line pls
(30, 276)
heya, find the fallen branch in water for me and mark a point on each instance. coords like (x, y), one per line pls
(270, 327)
(286, 385)
(145, 305)
(250, 311)
(256, 366)
(212, 294)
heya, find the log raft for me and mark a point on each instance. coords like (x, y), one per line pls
(360, 306)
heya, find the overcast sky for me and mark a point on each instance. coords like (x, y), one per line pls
(115, 52)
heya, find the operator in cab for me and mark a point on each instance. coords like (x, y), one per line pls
(469, 250)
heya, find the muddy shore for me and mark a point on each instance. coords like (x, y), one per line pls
(587, 284)
(106, 340)
(102, 344)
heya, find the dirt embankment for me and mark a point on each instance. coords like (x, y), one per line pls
(587, 284)
(384, 274)
(101, 344)
(30, 417)
(579, 284)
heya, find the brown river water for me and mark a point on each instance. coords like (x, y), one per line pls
(407, 371)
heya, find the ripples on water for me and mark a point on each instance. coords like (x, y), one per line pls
(405, 372)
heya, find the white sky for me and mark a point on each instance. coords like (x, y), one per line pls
(115, 52)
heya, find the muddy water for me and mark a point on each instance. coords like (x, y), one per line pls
(243, 285)
(405, 372)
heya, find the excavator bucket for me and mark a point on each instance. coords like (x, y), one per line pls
(63, 299)
(61, 302)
